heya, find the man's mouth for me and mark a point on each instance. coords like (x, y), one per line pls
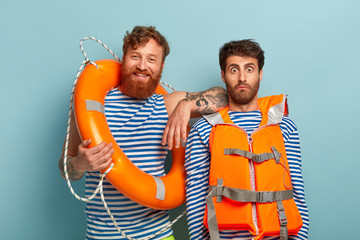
(141, 75)
(241, 86)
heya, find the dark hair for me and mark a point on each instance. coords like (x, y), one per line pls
(141, 35)
(242, 48)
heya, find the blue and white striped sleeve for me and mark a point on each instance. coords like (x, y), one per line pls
(292, 146)
(197, 162)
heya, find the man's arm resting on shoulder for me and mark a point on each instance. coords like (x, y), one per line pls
(80, 158)
(182, 106)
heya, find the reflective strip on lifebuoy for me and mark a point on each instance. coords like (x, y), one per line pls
(164, 192)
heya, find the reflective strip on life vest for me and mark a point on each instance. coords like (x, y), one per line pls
(213, 118)
(276, 112)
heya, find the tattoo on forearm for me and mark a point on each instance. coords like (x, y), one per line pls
(209, 101)
(73, 175)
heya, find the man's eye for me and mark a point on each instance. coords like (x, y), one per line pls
(152, 60)
(234, 70)
(134, 56)
(250, 69)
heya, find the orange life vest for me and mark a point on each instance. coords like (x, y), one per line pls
(249, 183)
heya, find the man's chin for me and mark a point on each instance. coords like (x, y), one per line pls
(139, 88)
(140, 79)
(139, 91)
(142, 95)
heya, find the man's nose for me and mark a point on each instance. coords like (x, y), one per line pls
(142, 64)
(242, 76)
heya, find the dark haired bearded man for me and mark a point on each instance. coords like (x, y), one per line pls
(231, 162)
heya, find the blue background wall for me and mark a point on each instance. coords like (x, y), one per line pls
(312, 54)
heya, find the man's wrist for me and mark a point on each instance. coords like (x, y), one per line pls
(73, 173)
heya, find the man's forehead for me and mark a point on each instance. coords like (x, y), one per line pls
(150, 46)
(241, 60)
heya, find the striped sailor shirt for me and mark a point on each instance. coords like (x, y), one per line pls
(137, 126)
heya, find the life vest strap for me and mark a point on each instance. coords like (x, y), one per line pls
(258, 158)
(242, 195)
(283, 221)
(219, 190)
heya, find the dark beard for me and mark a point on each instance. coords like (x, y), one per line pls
(139, 90)
(243, 98)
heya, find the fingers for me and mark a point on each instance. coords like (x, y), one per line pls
(101, 155)
(85, 143)
(104, 159)
(165, 134)
(180, 135)
(104, 151)
(175, 133)
(95, 158)
(177, 137)
(184, 131)
(170, 136)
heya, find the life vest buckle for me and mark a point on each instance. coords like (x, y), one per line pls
(282, 217)
(277, 155)
(256, 158)
(265, 197)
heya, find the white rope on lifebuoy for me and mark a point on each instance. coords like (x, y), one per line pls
(100, 185)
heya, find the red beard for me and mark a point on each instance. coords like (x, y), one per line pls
(139, 89)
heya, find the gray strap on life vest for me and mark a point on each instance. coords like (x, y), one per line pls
(259, 158)
(283, 221)
(92, 105)
(242, 195)
(219, 189)
(160, 188)
(212, 222)
(211, 215)
(213, 118)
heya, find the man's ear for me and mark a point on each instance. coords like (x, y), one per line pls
(223, 76)
(260, 75)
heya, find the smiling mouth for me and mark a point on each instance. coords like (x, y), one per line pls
(141, 75)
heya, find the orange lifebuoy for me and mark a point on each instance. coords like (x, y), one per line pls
(164, 192)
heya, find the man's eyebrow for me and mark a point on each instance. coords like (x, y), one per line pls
(250, 64)
(233, 65)
(153, 55)
(246, 65)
